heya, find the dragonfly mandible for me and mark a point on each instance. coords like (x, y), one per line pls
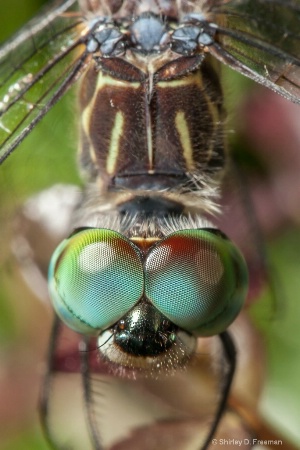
(151, 196)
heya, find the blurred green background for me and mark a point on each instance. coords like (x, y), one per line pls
(47, 157)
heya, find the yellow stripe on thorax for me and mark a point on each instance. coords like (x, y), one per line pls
(114, 147)
(185, 139)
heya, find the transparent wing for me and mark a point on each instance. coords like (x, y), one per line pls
(261, 39)
(37, 66)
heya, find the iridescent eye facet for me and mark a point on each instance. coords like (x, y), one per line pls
(95, 277)
(197, 279)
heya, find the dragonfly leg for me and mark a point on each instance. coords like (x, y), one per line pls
(44, 401)
(86, 380)
(229, 352)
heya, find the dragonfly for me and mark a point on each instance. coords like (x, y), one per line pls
(153, 152)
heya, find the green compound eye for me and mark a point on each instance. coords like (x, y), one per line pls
(197, 279)
(95, 277)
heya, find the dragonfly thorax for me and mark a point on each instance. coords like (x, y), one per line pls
(152, 118)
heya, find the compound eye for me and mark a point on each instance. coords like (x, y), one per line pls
(95, 277)
(198, 279)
